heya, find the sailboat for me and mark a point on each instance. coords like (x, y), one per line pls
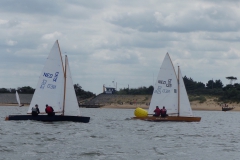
(55, 88)
(18, 99)
(169, 91)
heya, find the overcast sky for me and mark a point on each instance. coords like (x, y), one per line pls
(119, 40)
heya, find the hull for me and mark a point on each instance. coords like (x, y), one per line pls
(47, 118)
(227, 108)
(170, 118)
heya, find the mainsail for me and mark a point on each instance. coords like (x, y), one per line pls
(50, 86)
(165, 89)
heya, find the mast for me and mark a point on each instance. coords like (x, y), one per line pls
(65, 77)
(178, 93)
(60, 54)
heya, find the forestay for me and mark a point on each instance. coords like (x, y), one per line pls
(165, 88)
(50, 85)
(71, 103)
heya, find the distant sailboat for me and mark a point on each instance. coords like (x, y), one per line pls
(55, 88)
(18, 99)
(169, 91)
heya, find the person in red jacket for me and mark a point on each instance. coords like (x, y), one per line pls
(157, 112)
(49, 110)
(163, 112)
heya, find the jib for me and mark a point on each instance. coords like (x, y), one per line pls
(48, 75)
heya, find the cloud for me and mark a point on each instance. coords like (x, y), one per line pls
(121, 40)
(52, 36)
(200, 17)
(11, 42)
(9, 23)
(2, 21)
(31, 7)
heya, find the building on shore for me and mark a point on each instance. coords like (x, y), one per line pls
(109, 90)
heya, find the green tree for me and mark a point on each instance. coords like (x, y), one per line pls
(231, 78)
(4, 90)
(200, 85)
(26, 90)
(136, 91)
(81, 93)
(190, 84)
(212, 85)
(209, 85)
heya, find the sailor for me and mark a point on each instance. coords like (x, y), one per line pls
(35, 110)
(157, 112)
(49, 110)
(163, 112)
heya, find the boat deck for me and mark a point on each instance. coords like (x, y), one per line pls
(169, 118)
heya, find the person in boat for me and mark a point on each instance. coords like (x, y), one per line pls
(35, 110)
(157, 112)
(164, 112)
(49, 110)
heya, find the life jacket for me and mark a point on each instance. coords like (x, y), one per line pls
(34, 109)
(164, 111)
(157, 111)
(49, 110)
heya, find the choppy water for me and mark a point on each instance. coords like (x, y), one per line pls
(112, 135)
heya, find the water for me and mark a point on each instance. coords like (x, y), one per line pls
(112, 135)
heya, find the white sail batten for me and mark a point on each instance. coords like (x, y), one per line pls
(50, 85)
(71, 103)
(18, 99)
(185, 107)
(165, 88)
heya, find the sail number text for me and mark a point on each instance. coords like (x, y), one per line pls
(49, 75)
(168, 83)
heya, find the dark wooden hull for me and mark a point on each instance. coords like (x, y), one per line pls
(170, 118)
(227, 108)
(47, 118)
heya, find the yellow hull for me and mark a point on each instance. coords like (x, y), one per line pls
(169, 118)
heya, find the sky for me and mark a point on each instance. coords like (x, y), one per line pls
(119, 43)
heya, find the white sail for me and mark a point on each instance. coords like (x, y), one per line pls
(71, 103)
(50, 85)
(185, 108)
(165, 89)
(18, 99)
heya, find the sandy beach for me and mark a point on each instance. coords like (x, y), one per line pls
(209, 105)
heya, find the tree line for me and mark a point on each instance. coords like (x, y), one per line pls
(29, 90)
(229, 92)
(136, 91)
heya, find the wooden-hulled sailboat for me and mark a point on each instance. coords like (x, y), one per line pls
(55, 88)
(169, 91)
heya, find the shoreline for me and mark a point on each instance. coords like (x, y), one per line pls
(196, 106)
(13, 105)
